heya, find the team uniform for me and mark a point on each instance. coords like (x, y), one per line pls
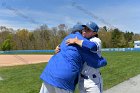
(62, 71)
(90, 80)
(47, 88)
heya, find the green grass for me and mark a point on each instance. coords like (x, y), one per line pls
(25, 79)
(121, 66)
(21, 79)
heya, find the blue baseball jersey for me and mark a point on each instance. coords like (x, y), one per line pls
(64, 67)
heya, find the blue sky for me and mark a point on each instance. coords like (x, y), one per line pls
(30, 14)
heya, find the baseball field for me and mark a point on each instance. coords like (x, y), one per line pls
(25, 78)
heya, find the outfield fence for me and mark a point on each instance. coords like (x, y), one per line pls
(26, 51)
(120, 49)
(52, 51)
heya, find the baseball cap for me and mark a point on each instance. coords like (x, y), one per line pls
(77, 27)
(92, 26)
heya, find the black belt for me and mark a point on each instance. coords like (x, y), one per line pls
(86, 77)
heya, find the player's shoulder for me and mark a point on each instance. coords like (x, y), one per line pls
(96, 39)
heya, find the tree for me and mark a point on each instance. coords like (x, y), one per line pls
(6, 45)
(128, 36)
(105, 28)
(48, 38)
(116, 36)
(122, 43)
(105, 38)
(22, 39)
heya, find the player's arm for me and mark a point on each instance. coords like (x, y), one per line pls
(93, 60)
(86, 44)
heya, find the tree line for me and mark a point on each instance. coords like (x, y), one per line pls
(44, 38)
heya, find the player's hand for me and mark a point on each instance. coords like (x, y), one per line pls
(74, 41)
(71, 41)
(57, 49)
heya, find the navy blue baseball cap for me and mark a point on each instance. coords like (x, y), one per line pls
(77, 27)
(92, 26)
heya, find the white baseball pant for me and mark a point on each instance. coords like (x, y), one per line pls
(47, 88)
(91, 83)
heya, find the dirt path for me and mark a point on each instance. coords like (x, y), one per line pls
(11, 60)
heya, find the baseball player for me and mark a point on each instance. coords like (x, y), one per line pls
(60, 74)
(90, 80)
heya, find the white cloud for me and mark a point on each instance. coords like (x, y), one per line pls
(16, 24)
(123, 17)
(120, 16)
(6, 13)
